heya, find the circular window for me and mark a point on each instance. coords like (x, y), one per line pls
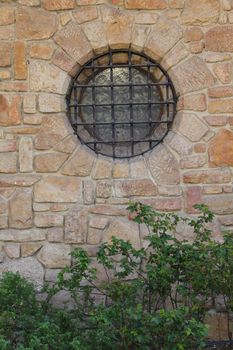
(121, 104)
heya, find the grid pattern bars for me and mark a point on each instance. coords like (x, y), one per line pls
(121, 104)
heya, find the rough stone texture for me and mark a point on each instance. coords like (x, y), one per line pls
(34, 23)
(21, 215)
(144, 187)
(88, 192)
(221, 149)
(53, 5)
(220, 91)
(205, 14)
(195, 102)
(219, 39)
(222, 204)
(179, 144)
(58, 189)
(103, 169)
(29, 268)
(12, 250)
(5, 52)
(192, 197)
(223, 71)
(103, 189)
(193, 34)
(190, 126)
(211, 176)
(25, 154)
(7, 15)
(9, 110)
(20, 65)
(41, 50)
(123, 229)
(8, 162)
(221, 106)
(29, 103)
(67, 39)
(80, 164)
(164, 167)
(51, 103)
(76, 226)
(164, 204)
(63, 61)
(86, 14)
(28, 249)
(48, 220)
(50, 162)
(196, 161)
(54, 255)
(145, 4)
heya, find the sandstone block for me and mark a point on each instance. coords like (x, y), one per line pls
(210, 176)
(29, 2)
(80, 164)
(143, 187)
(190, 126)
(103, 169)
(41, 50)
(20, 65)
(191, 162)
(226, 220)
(85, 14)
(88, 192)
(195, 102)
(139, 36)
(7, 146)
(98, 222)
(9, 110)
(145, 4)
(221, 204)
(11, 235)
(49, 103)
(32, 119)
(47, 77)
(76, 226)
(138, 168)
(21, 215)
(221, 106)
(94, 236)
(8, 162)
(54, 5)
(212, 189)
(35, 23)
(48, 220)
(221, 149)
(68, 37)
(3, 221)
(103, 189)
(95, 32)
(179, 144)
(7, 32)
(54, 255)
(109, 210)
(169, 190)
(223, 71)
(146, 17)
(3, 206)
(205, 14)
(49, 162)
(123, 229)
(164, 166)
(7, 15)
(25, 154)
(216, 120)
(55, 234)
(12, 250)
(5, 54)
(164, 204)
(196, 47)
(192, 197)
(219, 39)
(28, 249)
(121, 170)
(67, 145)
(63, 61)
(29, 103)
(193, 34)
(18, 180)
(175, 55)
(220, 91)
(5, 74)
(65, 18)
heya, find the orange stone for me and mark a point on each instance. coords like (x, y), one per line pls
(205, 14)
(220, 91)
(220, 39)
(41, 50)
(145, 4)
(85, 14)
(53, 5)
(221, 149)
(7, 15)
(5, 54)
(9, 110)
(193, 34)
(20, 65)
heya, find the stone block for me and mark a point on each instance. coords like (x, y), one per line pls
(54, 255)
(25, 154)
(29, 249)
(20, 64)
(220, 204)
(49, 103)
(190, 126)
(103, 169)
(49, 162)
(121, 170)
(10, 110)
(94, 236)
(88, 192)
(85, 14)
(195, 102)
(63, 61)
(221, 106)
(48, 220)
(7, 15)
(191, 162)
(67, 145)
(76, 225)
(123, 229)
(5, 54)
(98, 222)
(205, 14)
(8, 162)
(56, 5)
(220, 92)
(21, 214)
(12, 235)
(210, 176)
(164, 204)
(7, 146)
(142, 187)
(103, 189)
(109, 210)
(223, 71)
(96, 34)
(192, 197)
(193, 34)
(80, 163)
(221, 149)
(139, 36)
(145, 4)
(179, 144)
(20, 180)
(41, 50)
(12, 250)
(29, 103)
(220, 39)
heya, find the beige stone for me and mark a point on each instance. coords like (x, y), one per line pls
(29, 2)
(54, 5)
(47, 77)
(88, 192)
(205, 14)
(12, 235)
(177, 4)
(12, 250)
(3, 221)
(7, 146)
(65, 62)
(49, 103)
(163, 36)
(143, 187)
(190, 126)
(193, 75)
(28, 249)
(103, 189)
(67, 145)
(212, 57)
(164, 166)
(164, 204)
(196, 47)
(65, 17)
(7, 15)
(54, 128)
(221, 106)
(54, 255)
(7, 32)
(6, 192)
(49, 162)
(85, 14)
(145, 4)
(20, 65)
(192, 197)
(98, 222)
(190, 162)
(21, 215)
(216, 120)
(3, 206)
(48, 220)
(32, 119)
(25, 154)
(221, 149)
(5, 54)
(138, 168)
(145, 17)
(226, 5)
(220, 39)
(58, 189)
(220, 91)
(14, 86)
(35, 23)
(193, 34)
(20, 180)
(10, 110)
(109, 210)
(94, 236)
(29, 103)
(76, 225)
(41, 50)
(96, 34)
(74, 42)
(80, 164)
(8, 162)
(178, 53)
(5, 74)
(223, 71)
(120, 170)
(103, 169)
(55, 234)
(123, 229)
(221, 204)
(200, 147)
(211, 189)
(195, 102)
(169, 191)
(210, 176)
(139, 36)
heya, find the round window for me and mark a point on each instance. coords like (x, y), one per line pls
(121, 104)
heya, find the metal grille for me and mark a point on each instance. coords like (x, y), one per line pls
(121, 104)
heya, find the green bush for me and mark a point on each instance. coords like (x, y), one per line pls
(153, 298)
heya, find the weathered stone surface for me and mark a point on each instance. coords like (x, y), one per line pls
(7, 146)
(8, 162)
(221, 204)
(216, 120)
(85, 14)
(29, 268)
(94, 236)
(9, 110)
(76, 225)
(48, 220)
(80, 164)
(190, 126)
(54, 5)
(177, 4)
(195, 102)
(145, 4)
(138, 168)
(21, 209)
(191, 162)
(220, 91)
(164, 204)
(139, 36)
(210, 176)
(5, 74)
(58, 189)
(163, 36)
(164, 166)
(18, 180)
(54, 255)
(54, 128)
(123, 229)
(65, 17)
(220, 39)
(65, 62)
(103, 169)
(35, 23)
(223, 71)
(55, 234)
(179, 144)
(7, 15)
(205, 14)
(192, 197)
(98, 222)
(196, 47)
(28, 249)
(226, 220)
(32, 119)
(29, 2)
(25, 154)
(212, 189)
(49, 162)
(20, 65)
(169, 190)
(221, 106)
(74, 42)
(41, 50)
(95, 32)
(103, 189)
(221, 149)
(143, 187)
(67, 145)
(49, 103)
(29, 103)
(178, 53)
(47, 77)
(146, 17)
(7, 32)
(121, 170)
(193, 75)
(12, 250)
(109, 210)
(31, 235)
(193, 34)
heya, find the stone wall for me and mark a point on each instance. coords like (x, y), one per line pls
(56, 194)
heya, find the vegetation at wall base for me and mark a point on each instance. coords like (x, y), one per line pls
(152, 298)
